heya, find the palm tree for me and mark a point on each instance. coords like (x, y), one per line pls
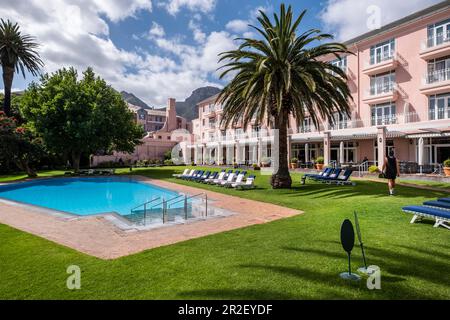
(17, 53)
(280, 75)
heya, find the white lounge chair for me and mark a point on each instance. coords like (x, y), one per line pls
(220, 179)
(220, 176)
(230, 179)
(189, 175)
(239, 179)
(248, 184)
(186, 171)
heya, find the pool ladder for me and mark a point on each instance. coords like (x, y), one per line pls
(168, 204)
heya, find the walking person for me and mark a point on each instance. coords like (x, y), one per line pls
(391, 170)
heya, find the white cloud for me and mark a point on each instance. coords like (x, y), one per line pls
(349, 18)
(156, 30)
(197, 32)
(238, 26)
(174, 6)
(76, 33)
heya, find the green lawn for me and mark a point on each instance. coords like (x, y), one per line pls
(294, 258)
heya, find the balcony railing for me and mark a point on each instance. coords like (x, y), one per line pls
(380, 89)
(380, 58)
(438, 39)
(439, 114)
(384, 120)
(437, 76)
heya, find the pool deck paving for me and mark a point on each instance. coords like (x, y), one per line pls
(97, 236)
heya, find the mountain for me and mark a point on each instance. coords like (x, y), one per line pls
(131, 98)
(188, 109)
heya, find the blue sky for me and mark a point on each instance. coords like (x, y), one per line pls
(167, 48)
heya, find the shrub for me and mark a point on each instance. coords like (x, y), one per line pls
(294, 160)
(256, 167)
(373, 169)
(168, 162)
(320, 160)
(447, 163)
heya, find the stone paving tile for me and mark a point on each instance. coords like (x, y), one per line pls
(98, 237)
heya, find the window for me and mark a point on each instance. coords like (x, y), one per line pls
(438, 70)
(307, 125)
(383, 83)
(382, 51)
(438, 33)
(340, 121)
(203, 122)
(340, 63)
(439, 107)
(383, 114)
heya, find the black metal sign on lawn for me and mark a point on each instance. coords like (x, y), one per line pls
(348, 242)
(358, 232)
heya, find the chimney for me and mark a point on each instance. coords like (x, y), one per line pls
(171, 114)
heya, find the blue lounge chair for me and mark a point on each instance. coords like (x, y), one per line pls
(332, 176)
(212, 176)
(444, 199)
(203, 176)
(437, 204)
(343, 179)
(195, 176)
(326, 171)
(325, 174)
(442, 217)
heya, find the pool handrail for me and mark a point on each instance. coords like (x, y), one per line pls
(144, 204)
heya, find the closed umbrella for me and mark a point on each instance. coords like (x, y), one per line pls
(342, 154)
(306, 153)
(421, 153)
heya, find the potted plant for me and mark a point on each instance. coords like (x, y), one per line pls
(256, 167)
(235, 165)
(320, 163)
(294, 163)
(447, 167)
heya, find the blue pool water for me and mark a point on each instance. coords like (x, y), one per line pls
(86, 196)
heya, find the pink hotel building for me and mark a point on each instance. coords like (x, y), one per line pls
(399, 77)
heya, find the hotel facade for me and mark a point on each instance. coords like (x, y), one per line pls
(399, 78)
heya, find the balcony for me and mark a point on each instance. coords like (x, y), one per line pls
(436, 47)
(381, 93)
(436, 82)
(381, 63)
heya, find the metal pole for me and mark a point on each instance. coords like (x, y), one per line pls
(185, 208)
(145, 214)
(164, 211)
(206, 205)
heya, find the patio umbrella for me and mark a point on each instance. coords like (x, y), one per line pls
(421, 153)
(307, 153)
(342, 154)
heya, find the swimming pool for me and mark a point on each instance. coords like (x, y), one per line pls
(86, 196)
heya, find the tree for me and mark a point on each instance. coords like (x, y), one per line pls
(76, 117)
(280, 75)
(17, 53)
(18, 144)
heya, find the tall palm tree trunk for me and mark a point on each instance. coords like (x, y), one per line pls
(282, 179)
(8, 76)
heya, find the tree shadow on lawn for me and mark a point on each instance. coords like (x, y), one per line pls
(372, 189)
(335, 284)
(398, 264)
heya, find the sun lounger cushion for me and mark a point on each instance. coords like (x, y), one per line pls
(428, 211)
(438, 204)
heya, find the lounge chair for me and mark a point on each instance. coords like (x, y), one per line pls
(444, 199)
(320, 174)
(332, 176)
(197, 175)
(231, 178)
(221, 177)
(212, 176)
(325, 174)
(248, 184)
(203, 176)
(342, 179)
(442, 217)
(186, 171)
(191, 174)
(239, 179)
